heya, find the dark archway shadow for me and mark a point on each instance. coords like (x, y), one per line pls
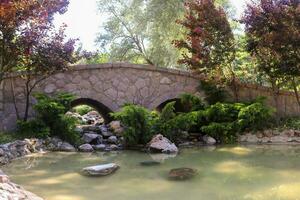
(178, 105)
(101, 108)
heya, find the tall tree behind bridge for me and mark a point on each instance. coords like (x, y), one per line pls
(142, 31)
(209, 46)
(30, 44)
(273, 30)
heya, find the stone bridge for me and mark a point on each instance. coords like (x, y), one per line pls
(106, 87)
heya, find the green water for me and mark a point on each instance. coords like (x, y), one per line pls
(225, 173)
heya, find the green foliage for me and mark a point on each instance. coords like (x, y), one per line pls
(172, 128)
(51, 116)
(191, 102)
(223, 112)
(138, 123)
(64, 128)
(254, 116)
(289, 123)
(82, 109)
(8, 137)
(34, 128)
(214, 93)
(168, 112)
(222, 132)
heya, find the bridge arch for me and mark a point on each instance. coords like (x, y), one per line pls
(102, 109)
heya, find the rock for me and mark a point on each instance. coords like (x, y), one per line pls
(268, 133)
(209, 140)
(100, 170)
(99, 147)
(150, 163)
(116, 127)
(161, 144)
(86, 148)
(11, 191)
(66, 147)
(182, 173)
(280, 139)
(252, 138)
(259, 135)
(289, 133)
(79, 130)
(114, 147)
(112, 140)
(92, 137)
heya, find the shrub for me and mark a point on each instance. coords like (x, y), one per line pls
(291, 123)
(82, 109)
(138, 122)
(51, 111)
(168, 112)
(8, 137)
(35, 128)
(191, 102)
(223, 112)
(64, 128)
(222, 132)
(255, 116)
(173, 128)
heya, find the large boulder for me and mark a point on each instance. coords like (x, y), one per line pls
(100, 170)
(11, 191)
(209, 140)
(161, 144)
(86, 148)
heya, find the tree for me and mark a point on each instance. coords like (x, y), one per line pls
(141, 31)
(273, 31)
(209, 47)
(30, 44)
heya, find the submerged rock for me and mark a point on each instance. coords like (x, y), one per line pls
(150, 163)
(182, 173)
(86, 148)
(161, 144)
(100, 170)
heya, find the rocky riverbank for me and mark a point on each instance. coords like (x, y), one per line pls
(12, 191)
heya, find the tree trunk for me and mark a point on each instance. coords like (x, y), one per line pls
(14, 98)
(296, 90)
(27, 99)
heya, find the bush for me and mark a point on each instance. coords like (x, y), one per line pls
(35, 128)
(82, 109)
(168, 112)
(138, 122)
(222, 132)
(51, 116)
(255, 116)
(64, 128)
(191, 102)
(289, 123)
(8, 137)
(223, 112)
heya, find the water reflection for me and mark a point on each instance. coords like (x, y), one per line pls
(225, 173)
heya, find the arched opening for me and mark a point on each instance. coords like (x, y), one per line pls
(178, 105)
(95, 105)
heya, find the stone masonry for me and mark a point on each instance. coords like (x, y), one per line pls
(114, 84)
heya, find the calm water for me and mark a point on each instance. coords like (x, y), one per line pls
(225, 173)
